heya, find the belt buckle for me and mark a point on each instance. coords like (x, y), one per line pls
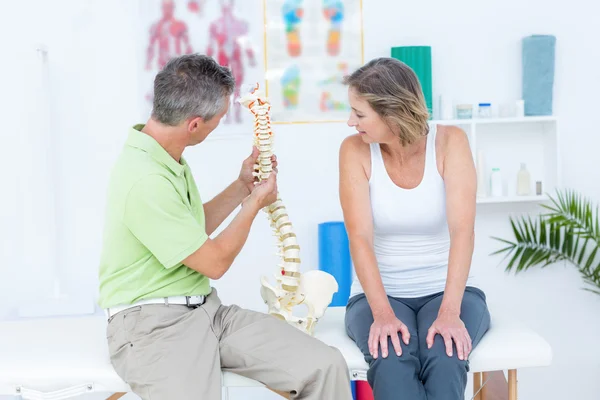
(187, 302)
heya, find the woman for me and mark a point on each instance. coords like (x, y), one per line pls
(407, 192)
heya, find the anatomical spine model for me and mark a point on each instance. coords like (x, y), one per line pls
(314, 288)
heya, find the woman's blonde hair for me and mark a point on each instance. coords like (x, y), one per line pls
(393, 91)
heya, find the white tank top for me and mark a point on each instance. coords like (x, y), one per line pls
(411, 239)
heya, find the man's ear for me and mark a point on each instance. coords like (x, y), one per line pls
(194, 124)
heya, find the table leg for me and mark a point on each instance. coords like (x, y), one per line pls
(477, 386)
(512, 384)
(116, 396)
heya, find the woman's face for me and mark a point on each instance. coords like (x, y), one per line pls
(370, 126)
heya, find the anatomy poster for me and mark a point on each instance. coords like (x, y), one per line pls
(231, 31)
(310, 46)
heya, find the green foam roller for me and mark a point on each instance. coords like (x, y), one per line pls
(419, 59)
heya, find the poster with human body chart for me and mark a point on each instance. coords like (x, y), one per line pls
(310, 46)
(231, 31)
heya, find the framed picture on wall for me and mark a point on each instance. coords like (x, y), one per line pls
(309, 46)
(231, 31)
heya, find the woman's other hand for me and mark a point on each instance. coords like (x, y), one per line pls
(450, 327)
(384, 325)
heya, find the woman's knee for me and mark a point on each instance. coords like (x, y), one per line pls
(436, 361)
(394, 367)
(443, 376)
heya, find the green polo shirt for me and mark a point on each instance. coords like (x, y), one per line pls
(154, 219)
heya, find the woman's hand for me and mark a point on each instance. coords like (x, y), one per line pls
(450, 327)
(385, 325)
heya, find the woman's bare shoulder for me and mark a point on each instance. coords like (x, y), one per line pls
(354, 145)
(449, 137)
(355, 152)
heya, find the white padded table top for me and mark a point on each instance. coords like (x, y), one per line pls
(51, 354)
(505, 346)
(56, 353)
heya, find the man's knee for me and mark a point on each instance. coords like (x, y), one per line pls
(330, 358)
(325, 366)
(338, 361)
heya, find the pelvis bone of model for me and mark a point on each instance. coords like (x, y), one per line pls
(314, 288)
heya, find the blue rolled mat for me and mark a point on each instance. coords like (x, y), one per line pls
(538, 73)
(334, 258)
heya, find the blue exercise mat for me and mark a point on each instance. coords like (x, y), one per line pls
(334, 258)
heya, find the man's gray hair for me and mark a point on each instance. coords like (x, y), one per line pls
(190, 86)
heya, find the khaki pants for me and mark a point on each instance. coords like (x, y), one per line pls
(177, 353)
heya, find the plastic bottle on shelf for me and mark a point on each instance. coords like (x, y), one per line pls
(496, 182)
(485, 110)
(523, 181)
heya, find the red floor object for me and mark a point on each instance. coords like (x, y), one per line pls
(363, 391)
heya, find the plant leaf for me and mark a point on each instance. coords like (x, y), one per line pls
(568, 230)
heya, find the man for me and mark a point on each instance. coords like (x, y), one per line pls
(169, 335)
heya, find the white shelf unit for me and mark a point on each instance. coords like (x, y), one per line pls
(506, 143)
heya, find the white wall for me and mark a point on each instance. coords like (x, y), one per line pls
(476, 56)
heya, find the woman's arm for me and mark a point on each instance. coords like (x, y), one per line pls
(356, 207)
(461, 186)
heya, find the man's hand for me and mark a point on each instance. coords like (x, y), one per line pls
(246, 173)
(264, 194)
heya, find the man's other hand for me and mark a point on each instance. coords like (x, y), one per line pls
(246, 173)
(265, 193)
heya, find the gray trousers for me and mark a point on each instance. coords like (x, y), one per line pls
(175, 352)
(419, 373)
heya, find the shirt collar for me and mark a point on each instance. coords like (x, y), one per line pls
(142, 141)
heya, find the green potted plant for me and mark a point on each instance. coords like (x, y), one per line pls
(569, 231)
